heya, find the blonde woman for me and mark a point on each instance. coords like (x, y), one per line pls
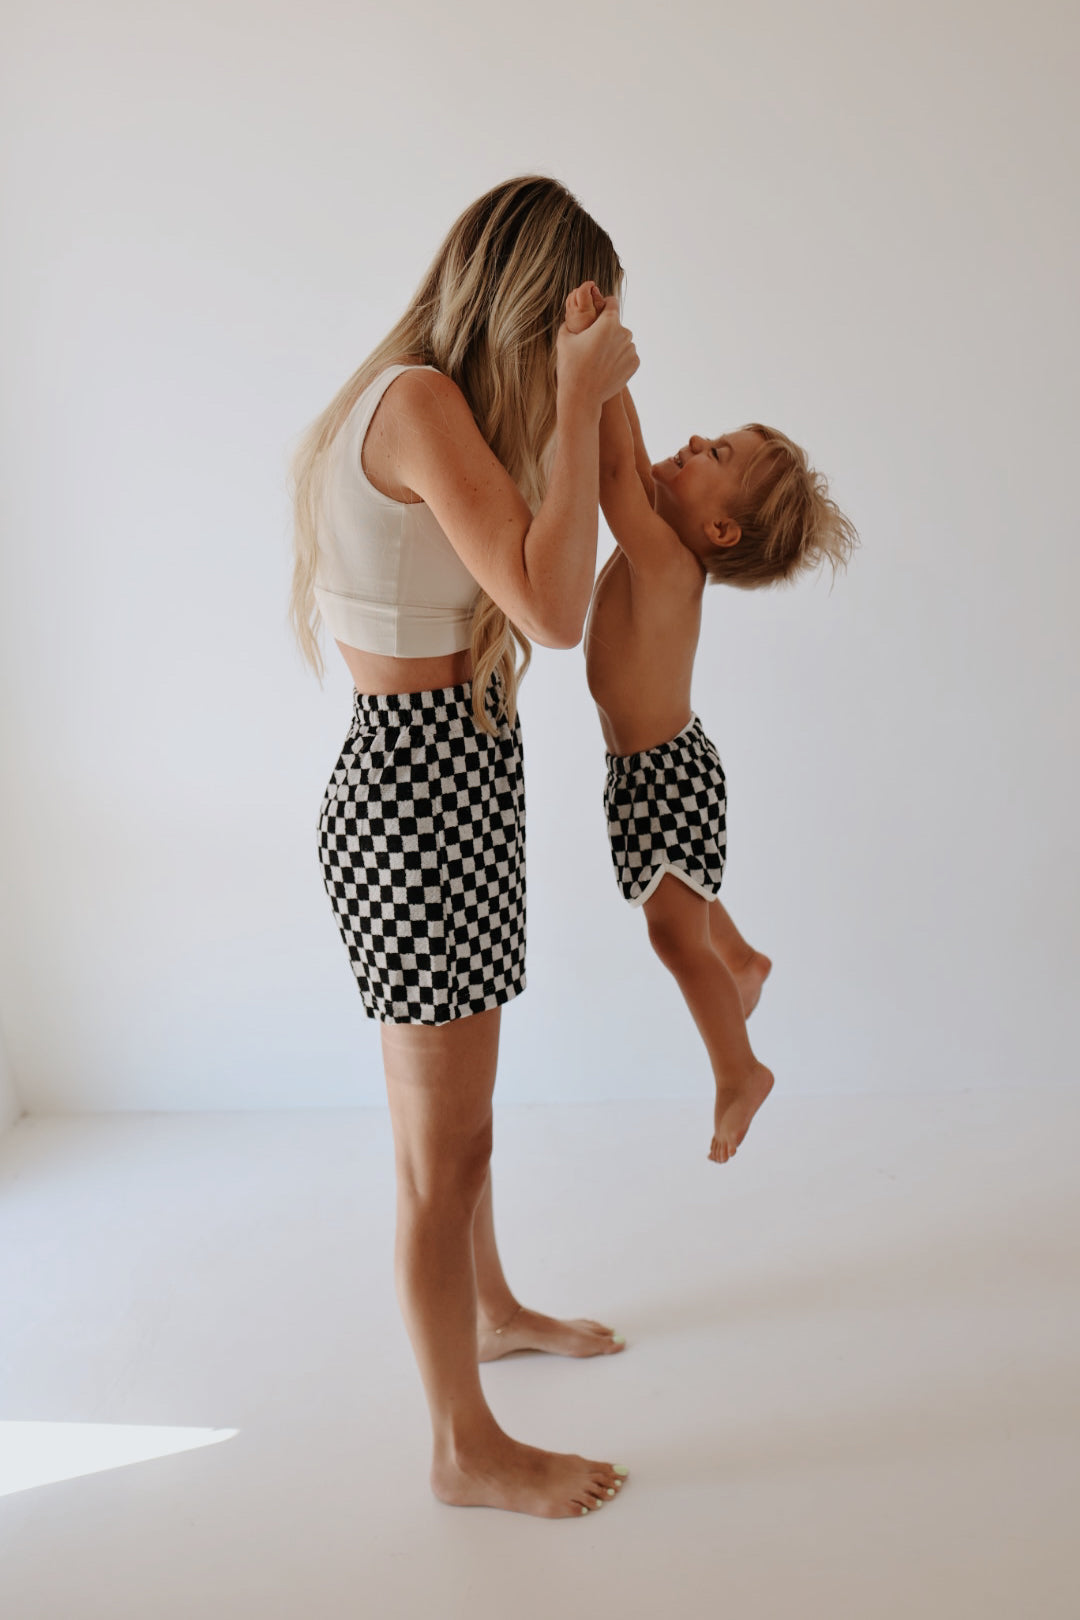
(446, 510)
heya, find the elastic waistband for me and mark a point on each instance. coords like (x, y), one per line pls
(436, 707)
(371, 705)
(623, 764)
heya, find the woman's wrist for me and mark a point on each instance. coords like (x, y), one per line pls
(577, 407)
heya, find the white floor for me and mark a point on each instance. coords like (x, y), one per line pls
(852, 1387)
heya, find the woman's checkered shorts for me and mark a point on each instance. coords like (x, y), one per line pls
(422, 844)
(666, 812)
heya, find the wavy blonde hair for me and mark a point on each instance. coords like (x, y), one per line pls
(486, 315)
(790, 523)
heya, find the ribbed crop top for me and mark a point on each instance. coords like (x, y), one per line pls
(387, 579)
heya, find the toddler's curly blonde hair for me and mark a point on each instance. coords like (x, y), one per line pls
(789, 522)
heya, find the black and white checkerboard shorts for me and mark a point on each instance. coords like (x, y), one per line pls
(666, 812)
(422, 845)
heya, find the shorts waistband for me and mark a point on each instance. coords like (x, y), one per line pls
(623, 764)
(412, 705)
(442, 705)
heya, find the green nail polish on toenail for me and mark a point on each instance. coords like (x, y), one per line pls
(611, 1492)
(619, 1338)
(584, 1510)
(619, 1469)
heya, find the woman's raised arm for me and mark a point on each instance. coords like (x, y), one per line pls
(538, 568)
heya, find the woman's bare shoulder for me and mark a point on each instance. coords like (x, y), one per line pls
(423, 435)
(422, 396)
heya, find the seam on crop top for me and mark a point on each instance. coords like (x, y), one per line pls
(377, 494)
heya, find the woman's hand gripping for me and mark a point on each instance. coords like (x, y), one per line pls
(595, 354)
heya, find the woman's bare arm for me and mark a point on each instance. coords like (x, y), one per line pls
(539, 569)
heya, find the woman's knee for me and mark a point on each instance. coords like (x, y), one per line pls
(448, 1171)
(439, 1084)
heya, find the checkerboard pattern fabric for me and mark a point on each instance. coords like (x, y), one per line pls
(666, 812)
(422, 846)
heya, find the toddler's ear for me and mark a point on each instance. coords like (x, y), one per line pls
(724, 532)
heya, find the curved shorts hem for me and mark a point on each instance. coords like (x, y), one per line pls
(706, 890)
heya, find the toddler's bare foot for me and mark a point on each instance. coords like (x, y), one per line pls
(528, 1330)
(749, 977)
(502, 1473)
(734, 1111)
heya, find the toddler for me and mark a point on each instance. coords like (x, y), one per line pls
(745, 509)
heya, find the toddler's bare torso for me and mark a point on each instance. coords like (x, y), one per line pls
(640, 642)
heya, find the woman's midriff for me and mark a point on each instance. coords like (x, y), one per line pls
(372, 673)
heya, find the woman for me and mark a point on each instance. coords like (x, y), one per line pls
(446, 502)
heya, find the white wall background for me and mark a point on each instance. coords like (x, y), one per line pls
(10, 1102)
(854, 220)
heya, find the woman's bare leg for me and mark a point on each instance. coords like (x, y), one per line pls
(749, 968)
(503, 1324)
(679, 931)
(439, 1081)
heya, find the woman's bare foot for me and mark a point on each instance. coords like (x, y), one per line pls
(749, 976)
(528, 1330)
(734, 1111)
(503, 1473)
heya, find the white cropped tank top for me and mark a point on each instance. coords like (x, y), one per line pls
(387, 579)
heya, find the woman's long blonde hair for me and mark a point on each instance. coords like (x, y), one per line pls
(486, 315)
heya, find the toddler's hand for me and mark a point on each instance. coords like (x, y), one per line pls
(583, 306)
(595, 352)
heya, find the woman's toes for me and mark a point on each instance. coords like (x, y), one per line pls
(613, 1342)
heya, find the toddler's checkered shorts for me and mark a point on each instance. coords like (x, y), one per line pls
(422, 845)
(666, 812)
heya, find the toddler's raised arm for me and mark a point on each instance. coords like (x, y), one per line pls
(641, 455)
(626, 486)
(582, 307)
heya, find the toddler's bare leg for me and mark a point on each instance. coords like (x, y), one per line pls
(749, 968)
(679, 931)
(439, 1081)
(502, 1325)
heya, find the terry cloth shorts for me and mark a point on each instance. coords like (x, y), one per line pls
(422, 845)
(666, 812)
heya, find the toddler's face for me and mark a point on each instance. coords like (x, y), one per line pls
(698, 487)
